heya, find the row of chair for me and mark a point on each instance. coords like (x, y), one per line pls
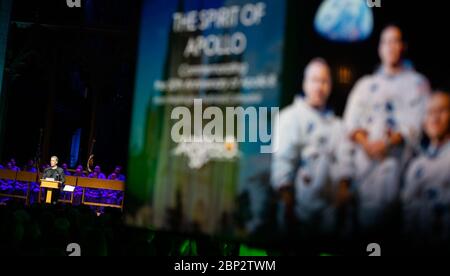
(82, 182)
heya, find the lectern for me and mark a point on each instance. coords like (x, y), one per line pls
(50, 185)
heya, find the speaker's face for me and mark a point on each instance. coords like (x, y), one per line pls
(53, 162)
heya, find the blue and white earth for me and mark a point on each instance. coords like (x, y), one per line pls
(344, 20)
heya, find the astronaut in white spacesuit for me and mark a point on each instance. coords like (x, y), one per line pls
(383, 116)
(426, 195)
(305, 166)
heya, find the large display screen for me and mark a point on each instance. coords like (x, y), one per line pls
(207, 92)
(324, 122)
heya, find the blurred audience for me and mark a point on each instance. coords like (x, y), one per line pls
(97, 173)
(117, 174)
(30, 166)
(65, 169)
(79, 172)
(14, 165)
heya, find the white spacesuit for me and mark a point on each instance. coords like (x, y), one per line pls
(308, 143)
(381, 103)
(426, 195)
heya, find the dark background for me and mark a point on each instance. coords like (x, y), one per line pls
(70, 69)
(425, 25)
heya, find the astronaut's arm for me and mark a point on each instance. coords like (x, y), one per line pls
(354, 111)
(285, 159)
(411, 204)
(284, 162)
(411, 128)
(344, 155)
(412, 186)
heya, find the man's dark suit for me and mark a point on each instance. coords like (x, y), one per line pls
(58, 175)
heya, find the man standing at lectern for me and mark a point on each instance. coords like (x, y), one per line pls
(55, 173)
